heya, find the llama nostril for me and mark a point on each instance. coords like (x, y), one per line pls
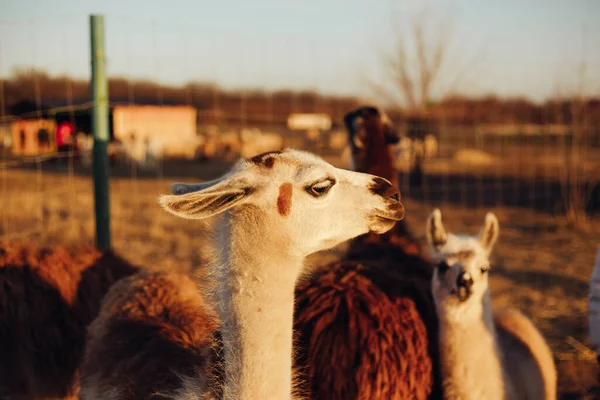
(464, 280)
(392, 193)
(385, 189)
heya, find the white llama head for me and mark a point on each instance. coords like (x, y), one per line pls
(296, 196)
(462, 261)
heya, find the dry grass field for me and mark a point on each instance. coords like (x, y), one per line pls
(540, 265)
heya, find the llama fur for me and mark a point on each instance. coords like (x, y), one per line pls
(151, 315)
(48, 296)
(376, 337)
(594, 307)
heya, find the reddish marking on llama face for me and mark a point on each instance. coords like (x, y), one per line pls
(284, 201)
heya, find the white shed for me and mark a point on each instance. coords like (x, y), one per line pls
(168, 130)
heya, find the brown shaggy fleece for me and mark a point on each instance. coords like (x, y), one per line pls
(360, 335)
(154, 329)
(48, 296)
(391, 265)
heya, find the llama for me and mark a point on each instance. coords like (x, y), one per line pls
(145, 317)
(47, 298)
(484, 354)
(371, 136)
(366, 325)
(594, 307)
(277, 208)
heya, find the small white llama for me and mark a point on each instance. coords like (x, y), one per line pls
(484, 354)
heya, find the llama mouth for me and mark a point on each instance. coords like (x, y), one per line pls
(383, 223)
(395, 215)
(463, 293)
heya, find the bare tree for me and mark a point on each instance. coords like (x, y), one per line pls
(576, 179)
(421, 62)
(577, 182)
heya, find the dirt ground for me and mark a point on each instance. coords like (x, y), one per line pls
(540, 265)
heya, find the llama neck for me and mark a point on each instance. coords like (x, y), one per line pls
(470, 354)
(256, 292)
(378, 158)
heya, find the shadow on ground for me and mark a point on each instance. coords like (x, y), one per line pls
(467, 190)
(543, 280)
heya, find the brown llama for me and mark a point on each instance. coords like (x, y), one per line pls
(149, 316)
(366, 326)
(48, 296)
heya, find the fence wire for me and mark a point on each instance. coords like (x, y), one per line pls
(488, 161)
(529, 163)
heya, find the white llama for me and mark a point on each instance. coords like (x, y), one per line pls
(484, 354)
(594, 307)
(277, 208)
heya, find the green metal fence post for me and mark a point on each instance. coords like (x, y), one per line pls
(99, 91)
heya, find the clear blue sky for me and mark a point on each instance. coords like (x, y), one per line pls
(529, 48)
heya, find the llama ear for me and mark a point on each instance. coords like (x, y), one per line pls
(434, 231)
(489, 233)
(391, 135)
(199, 201)
(184, 188)
(349, 120)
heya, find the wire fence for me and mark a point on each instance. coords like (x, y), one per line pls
(474, 166)
(466, 157)
(30, 199)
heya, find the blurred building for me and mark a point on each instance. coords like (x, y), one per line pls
(31, 137)
(168, 131)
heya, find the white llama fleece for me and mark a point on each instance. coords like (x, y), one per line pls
(594, 306)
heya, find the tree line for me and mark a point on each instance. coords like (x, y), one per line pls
(30, 90)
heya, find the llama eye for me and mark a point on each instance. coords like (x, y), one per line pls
(484, 269)
(320, 188)
(443, 266)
